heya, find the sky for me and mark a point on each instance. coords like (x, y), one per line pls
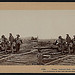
(46, 24)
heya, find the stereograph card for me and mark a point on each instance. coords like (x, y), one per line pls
(37, 37)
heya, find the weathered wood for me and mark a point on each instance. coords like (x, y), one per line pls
(28, 52)
(44, 48)
(8, 56)
(5, 58)
(23, 62)
(57, 60)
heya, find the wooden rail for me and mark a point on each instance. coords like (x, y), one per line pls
(58, 60)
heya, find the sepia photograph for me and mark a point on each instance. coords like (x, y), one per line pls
(37, 37)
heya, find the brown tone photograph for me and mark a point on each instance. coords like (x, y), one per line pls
(37, 37)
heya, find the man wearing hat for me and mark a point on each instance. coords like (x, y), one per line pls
(68, 41)
(4, 43)
(68, 38)
(11, 40)
(18, 42)
(60, 42)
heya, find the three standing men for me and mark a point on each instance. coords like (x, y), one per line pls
(15, 41)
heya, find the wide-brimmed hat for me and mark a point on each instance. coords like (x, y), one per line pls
(67, 34)
(59, 36)
(2, 36)
(18, 35)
